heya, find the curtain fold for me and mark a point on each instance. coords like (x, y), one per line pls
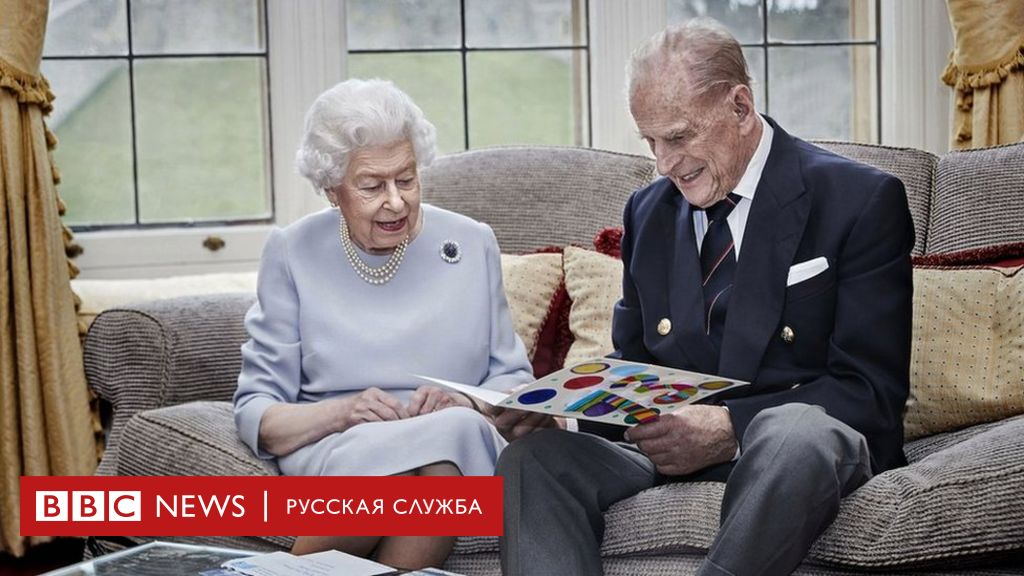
(45, 424)
(986, 70)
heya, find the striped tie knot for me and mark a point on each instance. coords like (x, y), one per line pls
(721, 209)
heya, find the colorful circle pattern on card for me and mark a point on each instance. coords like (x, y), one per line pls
(589, 368)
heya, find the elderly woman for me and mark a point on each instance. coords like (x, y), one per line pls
(355, 300)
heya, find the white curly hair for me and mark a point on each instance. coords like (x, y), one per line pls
(357, 113)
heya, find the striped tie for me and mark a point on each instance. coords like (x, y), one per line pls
(718, 264)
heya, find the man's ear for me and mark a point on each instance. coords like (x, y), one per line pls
(742, 101)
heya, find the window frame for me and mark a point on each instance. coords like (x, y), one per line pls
(464, 51)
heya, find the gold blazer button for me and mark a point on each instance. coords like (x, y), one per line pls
(787, 335)
(664, 326)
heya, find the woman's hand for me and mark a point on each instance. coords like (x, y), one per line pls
(370, 405)
(427, 399)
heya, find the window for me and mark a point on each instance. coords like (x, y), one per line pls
(162, 112)
(484, 72)
(815, 63)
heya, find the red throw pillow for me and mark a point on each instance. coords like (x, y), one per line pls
(1001, 255)
(554, 337)
(609, 242)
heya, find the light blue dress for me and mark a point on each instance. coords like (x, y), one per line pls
(318, 331)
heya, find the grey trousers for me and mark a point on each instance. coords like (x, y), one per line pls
(783, 492)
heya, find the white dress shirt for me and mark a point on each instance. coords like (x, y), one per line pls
(744, 189)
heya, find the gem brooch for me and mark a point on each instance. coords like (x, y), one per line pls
(450, 251)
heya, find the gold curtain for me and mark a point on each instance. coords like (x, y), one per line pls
(45, 426)
(986, 70)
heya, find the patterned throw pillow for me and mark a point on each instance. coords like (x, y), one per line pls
(967, 361)
(594, 283)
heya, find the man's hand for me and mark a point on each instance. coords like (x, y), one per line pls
(427, 399)
(687, 440)
(514, 424)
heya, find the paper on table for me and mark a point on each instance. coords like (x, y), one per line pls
(328, 563)
(492, 397)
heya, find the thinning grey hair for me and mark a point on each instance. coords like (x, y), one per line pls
(709, 57)
(357, 113)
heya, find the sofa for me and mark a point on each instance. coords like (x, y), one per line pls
(165, 370)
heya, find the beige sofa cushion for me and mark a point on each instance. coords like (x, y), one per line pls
(594, 283)
(967, 364)
(99, 295)
(530, 284)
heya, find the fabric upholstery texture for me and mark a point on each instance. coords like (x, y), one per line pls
(967, 362)
(594, 283)
(530, 284)
(561, 195)
(162, 354)
(963, 486)
(45, 425)
(487, 564)
(915, 168)
(977, 200)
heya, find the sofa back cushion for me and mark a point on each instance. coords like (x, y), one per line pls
(915, 168)
(533, 196)
(978, 199)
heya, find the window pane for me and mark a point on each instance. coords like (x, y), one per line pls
(95, 28)
(92, 121)
(196, 26)
(825, 92)
(755, 65)
(741, 17)
(433, 81)
(400, 24)
(529, 97)
(821, 20)
(523, 23)
(201, 139)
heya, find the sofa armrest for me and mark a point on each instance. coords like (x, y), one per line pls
(193, 439)
(164, 353)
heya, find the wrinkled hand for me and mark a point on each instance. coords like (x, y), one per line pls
(370, 405)
(687, 440)
(514, 424)
(427, 399)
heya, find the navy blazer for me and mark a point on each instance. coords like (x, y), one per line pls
(851, 324)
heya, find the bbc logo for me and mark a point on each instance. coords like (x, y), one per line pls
(89, 506)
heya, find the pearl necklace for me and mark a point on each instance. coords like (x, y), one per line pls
(369, 274)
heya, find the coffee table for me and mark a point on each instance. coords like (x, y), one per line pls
(155, 559)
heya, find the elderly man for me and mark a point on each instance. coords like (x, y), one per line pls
(759, 257)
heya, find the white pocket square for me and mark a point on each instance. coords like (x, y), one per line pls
(805, 270)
